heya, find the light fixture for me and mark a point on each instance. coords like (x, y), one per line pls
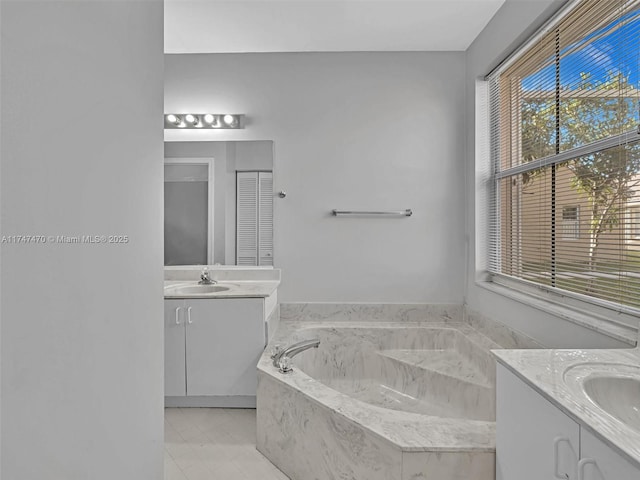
(204, 120)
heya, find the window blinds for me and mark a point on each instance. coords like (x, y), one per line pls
(565, 151)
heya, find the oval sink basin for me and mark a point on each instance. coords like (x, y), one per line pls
(612, 388)
(197, 289)
(619, 396)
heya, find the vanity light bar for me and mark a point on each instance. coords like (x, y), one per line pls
(204, 120)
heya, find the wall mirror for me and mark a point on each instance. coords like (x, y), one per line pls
(218, 203)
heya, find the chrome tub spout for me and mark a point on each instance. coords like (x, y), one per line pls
(282, 356)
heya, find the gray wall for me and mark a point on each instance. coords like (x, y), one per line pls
(81, 323)
(511, 26)
(351, 131)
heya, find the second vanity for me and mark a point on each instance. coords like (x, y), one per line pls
(568, 414)
(215, 334)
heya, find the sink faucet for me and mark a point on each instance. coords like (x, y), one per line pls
(282, 357)
(205, 278)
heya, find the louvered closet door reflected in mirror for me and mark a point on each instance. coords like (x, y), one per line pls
(254, 218)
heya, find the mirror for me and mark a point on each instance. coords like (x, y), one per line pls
(218, 203)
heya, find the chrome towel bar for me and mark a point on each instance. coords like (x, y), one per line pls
(404, 213)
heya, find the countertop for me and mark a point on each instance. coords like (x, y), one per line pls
(544, 370)
(237, 289)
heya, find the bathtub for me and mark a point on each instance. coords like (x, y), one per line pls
(380, 400)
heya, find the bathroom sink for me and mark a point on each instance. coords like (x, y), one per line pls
(618, 396)
(196, 289)
(613, 388)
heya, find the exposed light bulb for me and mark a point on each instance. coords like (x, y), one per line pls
(209, 118)
(192, 119)
(171, 118)
(229, 119)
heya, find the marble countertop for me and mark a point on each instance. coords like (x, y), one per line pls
(237, 289)
(547, 371)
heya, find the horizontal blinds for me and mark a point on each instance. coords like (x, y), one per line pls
(564, 118)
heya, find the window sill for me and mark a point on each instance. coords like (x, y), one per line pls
(593, 321)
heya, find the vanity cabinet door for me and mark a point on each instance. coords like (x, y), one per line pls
(534, 440)
(600, 462)
(174, 344)
(225, 338)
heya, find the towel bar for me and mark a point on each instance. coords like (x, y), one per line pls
(404, 213)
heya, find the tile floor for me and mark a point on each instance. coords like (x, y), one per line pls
(212, 444)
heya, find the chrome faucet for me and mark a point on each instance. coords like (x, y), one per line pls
(205, 278)
(282, 356)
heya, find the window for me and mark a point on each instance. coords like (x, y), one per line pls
(565, 152)
(571, 223)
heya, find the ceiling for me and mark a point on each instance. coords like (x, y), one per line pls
(232, 26)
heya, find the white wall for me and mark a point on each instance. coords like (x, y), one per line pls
(81, 151)
(254, 155)
(370, 131)
(513, 24)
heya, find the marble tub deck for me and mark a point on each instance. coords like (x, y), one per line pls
(305, 425)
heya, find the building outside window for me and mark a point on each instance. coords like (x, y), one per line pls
(571, 222)
(634, 223)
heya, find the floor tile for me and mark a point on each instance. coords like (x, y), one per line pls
(171, 469)
(214, 443)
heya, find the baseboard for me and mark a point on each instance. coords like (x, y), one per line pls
(239, 401)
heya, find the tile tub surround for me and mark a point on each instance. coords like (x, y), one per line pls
(366, 412)
(367, 312)
(499, 332)
(371, 312)
(545, 370)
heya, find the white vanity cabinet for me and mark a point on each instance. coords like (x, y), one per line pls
(535, 440)
(212, 347)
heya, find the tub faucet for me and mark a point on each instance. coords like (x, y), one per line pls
(205, 278)
(282, 356)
